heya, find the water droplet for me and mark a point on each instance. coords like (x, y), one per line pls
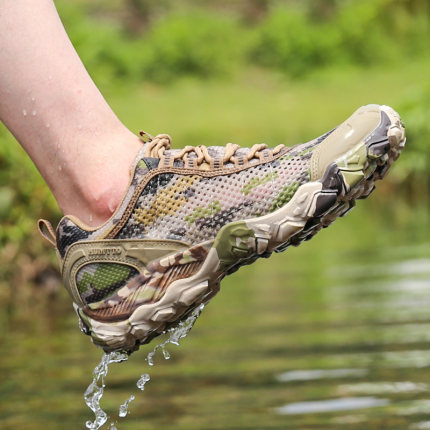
(123, 409)
(150, 358)
(33, 99)
(48, 125)
(91, 217)
(166, 354)
(79, 127)
(33, 113)
(60, 168)
(111, 206)
(142, 381)
(24, 112)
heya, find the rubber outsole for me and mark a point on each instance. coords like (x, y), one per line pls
(315, 205)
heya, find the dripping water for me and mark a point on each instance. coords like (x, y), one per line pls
(95, 390)
(123, 409)
(175, 335)
(142, 381)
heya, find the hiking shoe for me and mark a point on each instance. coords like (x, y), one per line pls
(192, 216)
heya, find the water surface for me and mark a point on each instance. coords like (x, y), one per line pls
(331, 335)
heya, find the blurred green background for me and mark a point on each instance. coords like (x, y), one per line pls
(246, 71)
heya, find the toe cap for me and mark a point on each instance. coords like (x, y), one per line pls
(347, 135)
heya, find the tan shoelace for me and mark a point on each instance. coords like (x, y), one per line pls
(158, 145)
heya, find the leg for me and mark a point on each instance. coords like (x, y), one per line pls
(55, 111)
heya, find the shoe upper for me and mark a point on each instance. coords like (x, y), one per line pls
(192, 204)
(180, 198)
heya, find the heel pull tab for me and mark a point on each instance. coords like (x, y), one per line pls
(47, 232)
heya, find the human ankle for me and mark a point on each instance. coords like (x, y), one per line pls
(104, 193)
(102, 203)
(101, 184)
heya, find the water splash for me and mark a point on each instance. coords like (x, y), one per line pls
(166, 354)
(142, 381)
(175, 335)
(123, 409)
(95, 390)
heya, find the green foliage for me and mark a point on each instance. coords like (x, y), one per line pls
(290, 41)
(198, 44)
(294, 37)
(22, 193)
(360, 32)
(415, 166)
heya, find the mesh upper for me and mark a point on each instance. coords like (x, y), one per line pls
(193, 207)
(98, 280)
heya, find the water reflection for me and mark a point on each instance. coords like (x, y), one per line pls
(314, 374)
(400, 268)
(333, 405)
(424, 425)
(384, 388)
(415, 407)
(352, 328)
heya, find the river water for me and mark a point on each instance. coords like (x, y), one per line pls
(334, 334)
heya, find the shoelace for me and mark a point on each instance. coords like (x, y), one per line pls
(158, 145)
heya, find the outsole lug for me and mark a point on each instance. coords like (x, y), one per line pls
(325, 201)
(164, 314)
(190, 295)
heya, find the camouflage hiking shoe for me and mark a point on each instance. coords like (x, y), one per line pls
(192, 216)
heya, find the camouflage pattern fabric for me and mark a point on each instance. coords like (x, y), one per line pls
(188, 206)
